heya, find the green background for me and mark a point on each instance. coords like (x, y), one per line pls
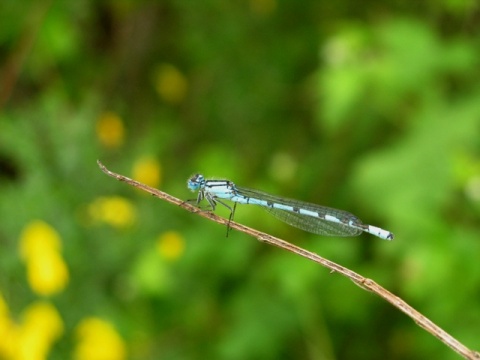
(372, 107)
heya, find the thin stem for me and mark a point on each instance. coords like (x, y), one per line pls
(361, 281)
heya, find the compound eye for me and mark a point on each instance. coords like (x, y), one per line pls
(195, 182)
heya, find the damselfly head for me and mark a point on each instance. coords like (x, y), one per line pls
(195, 182)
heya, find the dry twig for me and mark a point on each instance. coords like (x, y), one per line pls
(361, 281)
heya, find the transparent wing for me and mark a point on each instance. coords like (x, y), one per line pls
(313, 224)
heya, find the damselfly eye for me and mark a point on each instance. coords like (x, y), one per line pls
(195, 182)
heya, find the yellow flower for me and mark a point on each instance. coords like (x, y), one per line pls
(98, 340)
(36, 237)
(114, 210)
(7, 328)
(170, 245)
(40, 328)
(147, 170)
(110, 130)
(47, 272)
(43, 317)
(170, 83)
(33, 338)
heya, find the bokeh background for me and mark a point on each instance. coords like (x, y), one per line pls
(372, 107)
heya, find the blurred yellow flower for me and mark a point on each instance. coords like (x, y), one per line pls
(32, 339)
(114, 210)
(170, 83)
(98, 340)
(47, 272)
(41, 327)
(147, 170)
(110, 130)
(170, 245)
(7, 328)
(36, 237)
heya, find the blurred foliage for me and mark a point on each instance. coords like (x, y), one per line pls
(370, 107)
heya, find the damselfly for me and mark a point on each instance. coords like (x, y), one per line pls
(313, 218)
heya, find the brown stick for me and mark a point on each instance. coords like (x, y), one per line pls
(361, 281)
